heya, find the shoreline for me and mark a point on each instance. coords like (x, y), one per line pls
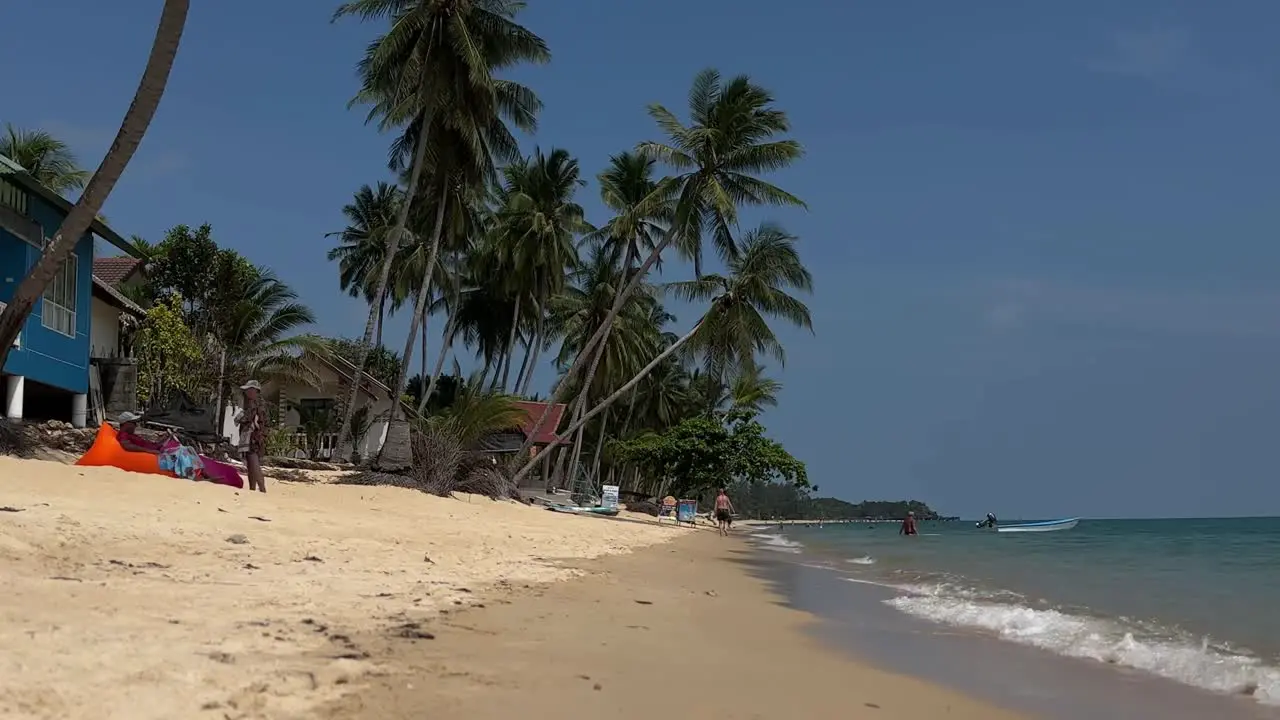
(861, 615)
(682, 629)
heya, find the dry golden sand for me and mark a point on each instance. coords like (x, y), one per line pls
(135, 596)
(128, 596)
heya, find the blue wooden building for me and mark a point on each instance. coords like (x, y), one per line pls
(47, 373)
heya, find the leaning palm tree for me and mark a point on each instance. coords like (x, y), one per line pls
(44, 157)
(434, 68)
(729, 141)
(764, 267)
(155, 76)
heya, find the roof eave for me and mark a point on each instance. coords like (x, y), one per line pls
(97, 227)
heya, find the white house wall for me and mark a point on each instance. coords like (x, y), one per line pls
(331, 388)
(104, 329)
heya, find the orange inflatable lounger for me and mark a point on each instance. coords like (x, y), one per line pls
(107, 452)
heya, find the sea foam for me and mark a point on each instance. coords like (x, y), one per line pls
(776, 543)
(1188, 660)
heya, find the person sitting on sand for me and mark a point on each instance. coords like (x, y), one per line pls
(908, 524)
(173, 455)
(724, 512)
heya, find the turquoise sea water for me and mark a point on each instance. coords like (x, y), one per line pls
(1195, 601)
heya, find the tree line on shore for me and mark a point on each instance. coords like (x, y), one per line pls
(491, 243)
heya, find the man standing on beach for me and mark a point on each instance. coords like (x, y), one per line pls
(253, 425)
(724, 512)
(908, 524)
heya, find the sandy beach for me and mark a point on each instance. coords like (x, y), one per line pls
(134, 596)
(678, 631)
(138, 597)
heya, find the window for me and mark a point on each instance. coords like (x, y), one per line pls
(13, 197)
(317, 405)
(59, 313)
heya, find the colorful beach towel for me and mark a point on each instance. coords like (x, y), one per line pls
(180, 460)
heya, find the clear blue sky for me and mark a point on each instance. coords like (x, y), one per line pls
(1043, 235)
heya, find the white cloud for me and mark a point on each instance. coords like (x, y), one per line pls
(1168, 56)
(1146, 54)
(1011, 302)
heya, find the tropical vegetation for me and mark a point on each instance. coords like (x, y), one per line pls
(489, 248)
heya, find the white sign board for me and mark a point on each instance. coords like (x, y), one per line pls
(609, 496)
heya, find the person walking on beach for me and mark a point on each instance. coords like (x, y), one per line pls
(724, 512)
(253, 425)
(909, 524)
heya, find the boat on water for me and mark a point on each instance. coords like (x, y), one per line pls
(1043, 526)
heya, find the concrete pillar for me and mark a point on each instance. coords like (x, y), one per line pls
(13, 393)
(79, 409)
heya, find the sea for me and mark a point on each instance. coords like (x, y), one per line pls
(1182, 615)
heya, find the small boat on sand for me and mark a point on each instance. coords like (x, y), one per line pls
(1044, 526)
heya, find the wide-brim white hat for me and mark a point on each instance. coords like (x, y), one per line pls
(251, 385)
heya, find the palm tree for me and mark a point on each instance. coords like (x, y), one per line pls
(533, 248)
(44, 157)
(434, 70)
(583, 307)
(751, 390)
(155, 76)
(362, 244)
(642, 215)
(761, 271)
(734, 329)
(261, 339)
(729, 142)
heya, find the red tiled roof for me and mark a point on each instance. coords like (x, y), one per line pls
(533, 411)
(115, 270)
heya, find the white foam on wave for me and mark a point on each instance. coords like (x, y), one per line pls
(864, 560)
(777, 543)
(1193, 663)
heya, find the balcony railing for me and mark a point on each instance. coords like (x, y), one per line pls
(301, 448)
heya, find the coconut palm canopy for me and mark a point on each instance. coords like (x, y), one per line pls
(491, 249)
(518, 277)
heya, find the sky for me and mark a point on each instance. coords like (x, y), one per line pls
(1043, 238)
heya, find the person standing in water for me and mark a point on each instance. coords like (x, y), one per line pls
(724, 512)
(909, 524)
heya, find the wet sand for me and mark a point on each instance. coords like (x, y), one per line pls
(682, 630)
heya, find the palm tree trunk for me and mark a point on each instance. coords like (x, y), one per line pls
(595, 462)
(155, 77)
(599, 335)
(604, 404)
(445, 347)
(423, 373)
(400, 455)
(545, 456)
(557, 477)
(393, 245)
(511, 344)
(382, 316)
(221, 406)
(524, 365)
(535, 347)
(584, 397)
